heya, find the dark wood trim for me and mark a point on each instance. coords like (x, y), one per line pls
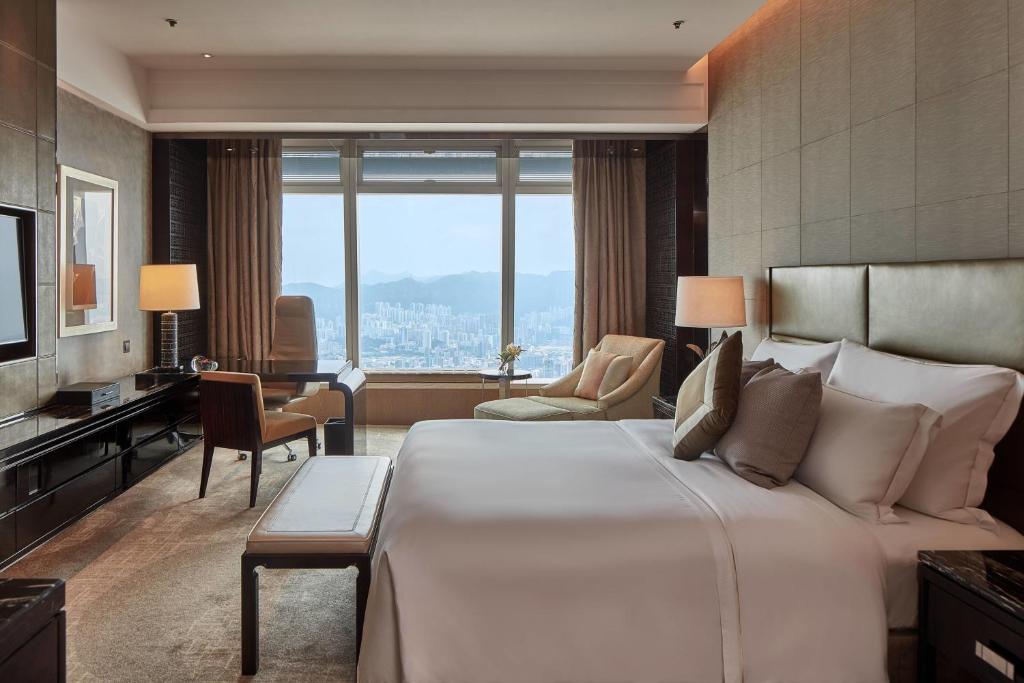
(691, 238)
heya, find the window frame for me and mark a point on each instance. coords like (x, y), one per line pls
(507, 185)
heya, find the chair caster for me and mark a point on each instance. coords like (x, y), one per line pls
(292, 457)
(243, 456)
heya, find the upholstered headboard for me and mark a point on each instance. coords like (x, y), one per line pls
(950, 311)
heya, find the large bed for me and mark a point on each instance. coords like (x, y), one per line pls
(587, 552)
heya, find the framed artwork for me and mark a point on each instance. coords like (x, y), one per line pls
(87, 253)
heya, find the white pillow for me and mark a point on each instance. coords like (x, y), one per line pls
(864, 452)
(978, 404)
(796, 357)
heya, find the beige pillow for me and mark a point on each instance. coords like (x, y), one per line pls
(864, 452)
(616, 375)
(706, 403)
(595, 367)
(774, 423)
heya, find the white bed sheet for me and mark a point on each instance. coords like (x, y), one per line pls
(901, 542)
(726, 563)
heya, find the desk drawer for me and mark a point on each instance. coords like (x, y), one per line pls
(149, 455)
(49, 471)
(52, 510)
(967, 637)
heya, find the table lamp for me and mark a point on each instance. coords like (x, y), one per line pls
(710, 301)
(168, 288)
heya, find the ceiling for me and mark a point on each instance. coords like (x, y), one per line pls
(405, 64)
(319, 33)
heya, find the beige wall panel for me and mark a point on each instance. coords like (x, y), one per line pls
(959, 41)
(881, 57)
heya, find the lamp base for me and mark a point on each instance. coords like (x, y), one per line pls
(169, 340)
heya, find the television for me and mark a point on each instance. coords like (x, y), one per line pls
(18, 283)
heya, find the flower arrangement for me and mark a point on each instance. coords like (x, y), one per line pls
(508, 357)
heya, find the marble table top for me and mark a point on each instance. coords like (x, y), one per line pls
(996, 575)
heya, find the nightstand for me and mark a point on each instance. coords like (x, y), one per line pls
(664, 407)
(971, 615)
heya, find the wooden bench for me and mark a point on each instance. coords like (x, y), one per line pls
(325, 517)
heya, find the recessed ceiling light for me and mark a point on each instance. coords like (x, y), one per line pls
(207, 55)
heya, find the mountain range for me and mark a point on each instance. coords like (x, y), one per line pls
(471, 292)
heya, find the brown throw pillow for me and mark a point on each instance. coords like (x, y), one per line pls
(594, 369)
(707, 401)
(752, 367)
(776, 417)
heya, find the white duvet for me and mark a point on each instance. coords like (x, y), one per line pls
(582, 551)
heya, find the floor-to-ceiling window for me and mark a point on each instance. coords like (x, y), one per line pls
(429, 258)
(313, 249)
(456, 249)
(545, 261)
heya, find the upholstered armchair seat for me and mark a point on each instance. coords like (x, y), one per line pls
(630, 400)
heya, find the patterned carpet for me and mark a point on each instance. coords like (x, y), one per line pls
(153, 581)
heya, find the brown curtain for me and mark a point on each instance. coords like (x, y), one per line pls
(608, 189)
(243, 245)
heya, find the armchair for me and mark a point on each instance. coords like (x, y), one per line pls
(557, 401)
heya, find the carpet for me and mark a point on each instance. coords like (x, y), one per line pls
(153, 581)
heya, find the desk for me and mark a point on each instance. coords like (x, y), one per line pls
(59, 462)
(339, 375)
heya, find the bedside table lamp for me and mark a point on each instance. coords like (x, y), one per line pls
(710, 301)
(168, 288)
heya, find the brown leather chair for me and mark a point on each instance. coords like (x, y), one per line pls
(231, 406)
(294, 339)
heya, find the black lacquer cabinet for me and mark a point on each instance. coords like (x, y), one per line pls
(60, 462)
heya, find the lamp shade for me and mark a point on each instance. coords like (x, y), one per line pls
(83, 286)
(168, 288)
(707, 301)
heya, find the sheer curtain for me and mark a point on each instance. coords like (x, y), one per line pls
(609, 197)
(243, 244)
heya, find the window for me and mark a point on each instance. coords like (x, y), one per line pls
(430, 222)
(545, 261)
(429, 281)
(313, 242)
(545, 295)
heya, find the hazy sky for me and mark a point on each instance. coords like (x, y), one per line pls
(425, 234)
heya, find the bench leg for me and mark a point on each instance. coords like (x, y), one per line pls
(362, 593)
(250, 618)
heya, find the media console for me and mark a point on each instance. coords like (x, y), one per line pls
(59, 462)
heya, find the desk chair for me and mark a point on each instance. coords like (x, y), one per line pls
(294, 339)
(231, 406)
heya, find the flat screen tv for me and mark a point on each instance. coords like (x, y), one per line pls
(17, 283)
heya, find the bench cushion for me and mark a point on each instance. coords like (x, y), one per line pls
(329, 506)
(519, 409)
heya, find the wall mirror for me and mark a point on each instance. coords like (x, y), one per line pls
(87, 253)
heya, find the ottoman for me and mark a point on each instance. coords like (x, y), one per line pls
(520, 409)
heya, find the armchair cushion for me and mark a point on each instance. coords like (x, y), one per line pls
(708, 399)
(603, 372)
(580, 408)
